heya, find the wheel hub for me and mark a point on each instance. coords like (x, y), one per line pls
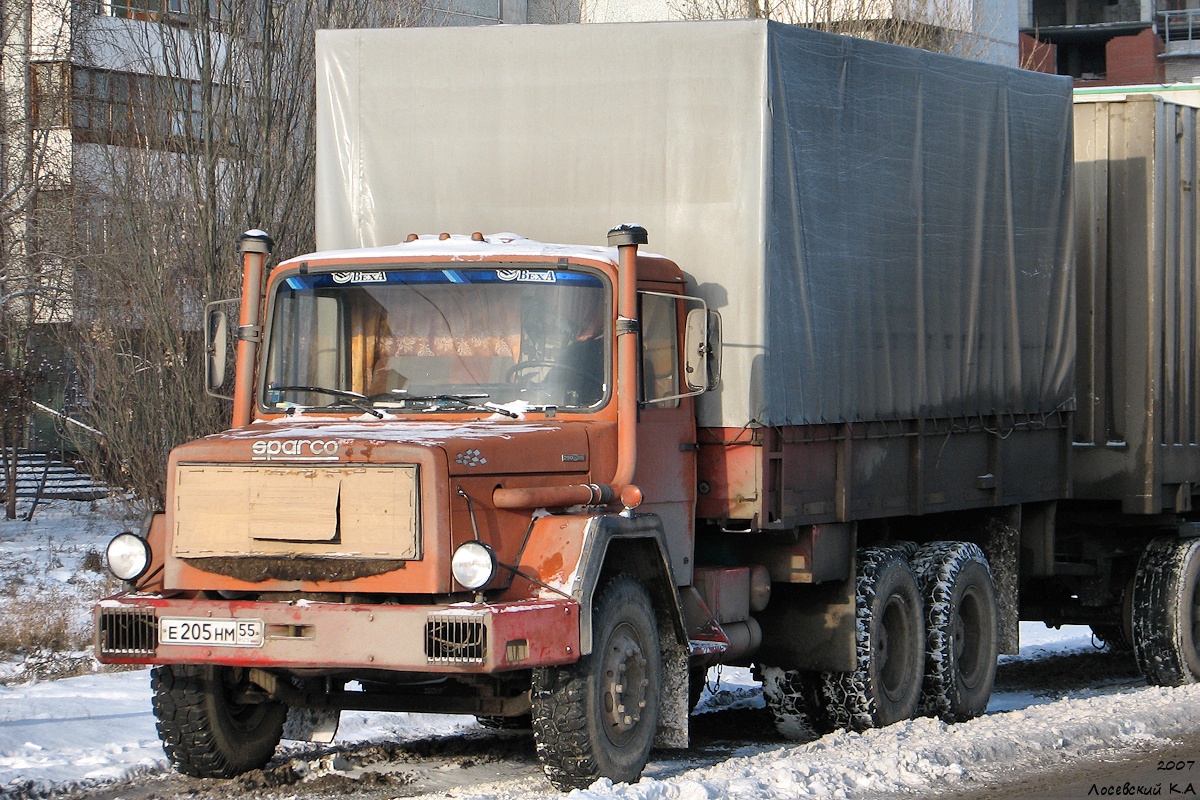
(232, 686)
(624, 682)
(968, 643)
(894, 662)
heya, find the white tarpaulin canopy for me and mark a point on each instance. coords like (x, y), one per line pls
(885, 231)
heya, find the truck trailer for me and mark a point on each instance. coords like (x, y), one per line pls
(867, 413)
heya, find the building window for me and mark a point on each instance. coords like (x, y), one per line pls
(49, 89)
(126, 108)
(463, 12)
(178, 11)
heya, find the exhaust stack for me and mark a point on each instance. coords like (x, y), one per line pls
(254, 245)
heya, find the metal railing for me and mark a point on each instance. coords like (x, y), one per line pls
(1180, 25)
(63, 417)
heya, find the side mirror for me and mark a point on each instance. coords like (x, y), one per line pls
(713, 350)
(216, 339)
(695, 350)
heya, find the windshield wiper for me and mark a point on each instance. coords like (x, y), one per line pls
(469, 403)
(466, 400)
(353, 399)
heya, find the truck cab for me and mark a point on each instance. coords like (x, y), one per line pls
(432, 489)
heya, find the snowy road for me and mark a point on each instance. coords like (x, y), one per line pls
(95, 733)
(1163, 770)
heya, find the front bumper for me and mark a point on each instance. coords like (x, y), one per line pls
(461, 638)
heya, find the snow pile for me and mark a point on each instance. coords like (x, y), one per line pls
(927, 754)
(922, 756)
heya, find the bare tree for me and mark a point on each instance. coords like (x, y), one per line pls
(34, 47)
(946, 26)
(557, 12)
(201, 124)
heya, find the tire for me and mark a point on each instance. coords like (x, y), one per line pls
(792, 700)
(204, 731)
(597, 718)
(885, 687)
(961, 630)
(1166, 612)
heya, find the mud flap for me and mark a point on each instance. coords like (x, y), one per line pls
(311, 724)
(672, 733)
(1003, 549)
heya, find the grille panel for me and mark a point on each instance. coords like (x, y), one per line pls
(368, 513)
(455, 639)
(127, 632)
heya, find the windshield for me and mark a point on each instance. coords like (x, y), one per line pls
(439, 339)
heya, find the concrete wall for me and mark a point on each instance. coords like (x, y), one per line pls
(997, 25)
(50, 34)
(1183, 70)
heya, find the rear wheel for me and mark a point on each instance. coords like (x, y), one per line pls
(1166, 612)
(885, 686)
(207, 726)
(597, 718)
(961, 629)
(791, 697)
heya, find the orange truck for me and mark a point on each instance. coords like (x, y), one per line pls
(551, 485)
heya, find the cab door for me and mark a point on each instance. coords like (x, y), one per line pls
(666, 434)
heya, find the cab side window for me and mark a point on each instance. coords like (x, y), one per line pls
(660, 351)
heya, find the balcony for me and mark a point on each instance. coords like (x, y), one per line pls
(1181, 31)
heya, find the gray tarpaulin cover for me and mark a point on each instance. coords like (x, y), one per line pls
(885, 231)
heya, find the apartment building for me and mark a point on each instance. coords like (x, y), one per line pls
(984, 29)
(1113, 42)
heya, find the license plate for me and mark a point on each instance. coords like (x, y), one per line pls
(212, 632)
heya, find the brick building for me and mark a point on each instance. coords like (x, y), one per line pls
(1103, 43)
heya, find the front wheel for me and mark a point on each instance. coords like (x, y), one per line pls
(208, 727)
(1166, 612)
(597, 718)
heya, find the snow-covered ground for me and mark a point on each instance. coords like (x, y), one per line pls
(98, 727)
(51, 571)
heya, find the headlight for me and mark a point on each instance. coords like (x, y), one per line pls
(474, 564)
(128, 556)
